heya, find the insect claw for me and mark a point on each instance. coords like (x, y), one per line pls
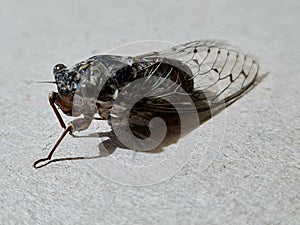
(36, 166)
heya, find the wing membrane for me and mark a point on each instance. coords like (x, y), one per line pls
(220, 71)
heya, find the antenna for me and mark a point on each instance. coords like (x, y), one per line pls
(46, 82)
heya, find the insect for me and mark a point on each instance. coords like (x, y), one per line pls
(209, 72)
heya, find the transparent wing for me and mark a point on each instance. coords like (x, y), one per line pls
(220, 72)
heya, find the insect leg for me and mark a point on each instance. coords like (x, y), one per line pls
(52, 99)
(76, 125)
(67, 130)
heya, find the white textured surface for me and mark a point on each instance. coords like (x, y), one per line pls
(253, 180)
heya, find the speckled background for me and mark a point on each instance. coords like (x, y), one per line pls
(254, 178)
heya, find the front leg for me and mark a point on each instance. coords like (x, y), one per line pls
(76, 125)
(53, 97)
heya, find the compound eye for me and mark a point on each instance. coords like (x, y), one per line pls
(58, 67)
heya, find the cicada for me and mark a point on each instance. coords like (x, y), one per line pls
(208, 72)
